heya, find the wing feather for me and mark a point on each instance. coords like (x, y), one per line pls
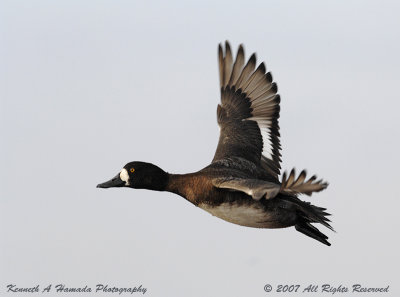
(249, 111)
(255, 188)
(254, 78)
(227, 64)
(247, 70)
(293, 186)
(221, 65)
(238, 66)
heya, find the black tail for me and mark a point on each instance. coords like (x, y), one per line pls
(307, 214)
(309, 230)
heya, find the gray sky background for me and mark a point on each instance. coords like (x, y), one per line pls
(87, 86)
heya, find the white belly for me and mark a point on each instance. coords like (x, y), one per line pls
(245, 215)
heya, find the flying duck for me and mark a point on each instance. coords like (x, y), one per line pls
(241, 185)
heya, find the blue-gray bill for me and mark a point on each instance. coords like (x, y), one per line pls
(116, 181)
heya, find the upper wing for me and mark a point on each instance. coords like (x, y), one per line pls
(249, 112)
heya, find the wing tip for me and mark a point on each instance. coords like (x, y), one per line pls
(253, 58)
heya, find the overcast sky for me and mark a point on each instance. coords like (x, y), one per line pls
(87, 86)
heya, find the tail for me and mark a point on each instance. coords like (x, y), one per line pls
(309, 230)
(307, 214)
(293, 186)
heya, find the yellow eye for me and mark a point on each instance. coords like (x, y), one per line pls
(132, 170)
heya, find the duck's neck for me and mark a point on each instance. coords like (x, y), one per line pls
(163, 181)
(178, 183)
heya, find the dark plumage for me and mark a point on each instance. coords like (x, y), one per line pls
(241, 184)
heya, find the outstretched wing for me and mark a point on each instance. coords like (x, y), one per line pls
(249, 112)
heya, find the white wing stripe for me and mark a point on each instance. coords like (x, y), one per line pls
(266, 136)
(264, 124)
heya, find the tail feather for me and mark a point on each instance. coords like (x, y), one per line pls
(307, 214)
(311, 231)
(314, 214)
(293, 186)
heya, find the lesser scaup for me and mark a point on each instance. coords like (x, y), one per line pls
(241, 184)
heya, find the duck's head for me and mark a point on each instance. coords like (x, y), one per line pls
(139, 175)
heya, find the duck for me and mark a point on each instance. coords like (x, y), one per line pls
(241, 185)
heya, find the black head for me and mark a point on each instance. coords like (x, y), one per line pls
(139, 175)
